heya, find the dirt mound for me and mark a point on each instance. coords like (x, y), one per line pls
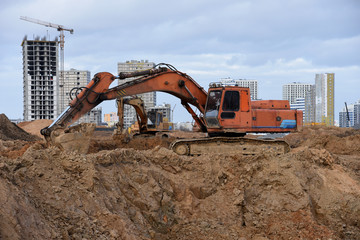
(139, 189)
(336, 140)
(35, 126)
(343, 143)
(156, 194)
(10, 131)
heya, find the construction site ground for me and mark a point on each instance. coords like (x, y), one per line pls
(139, 189)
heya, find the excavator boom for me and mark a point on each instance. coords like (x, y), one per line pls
(169, 81)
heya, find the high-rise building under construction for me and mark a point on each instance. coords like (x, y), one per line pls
(40, 78)
(41, 83)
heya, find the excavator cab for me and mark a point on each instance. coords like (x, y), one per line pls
(227, 108)
(156, 119)
(230, 111)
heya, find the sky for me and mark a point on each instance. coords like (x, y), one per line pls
(275, 42)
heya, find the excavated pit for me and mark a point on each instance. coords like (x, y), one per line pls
(142, 190)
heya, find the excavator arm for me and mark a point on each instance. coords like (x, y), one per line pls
(173, 82)
(165, 79)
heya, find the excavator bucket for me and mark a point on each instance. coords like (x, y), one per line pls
(73, 139)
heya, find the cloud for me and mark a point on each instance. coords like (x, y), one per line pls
(273, 41)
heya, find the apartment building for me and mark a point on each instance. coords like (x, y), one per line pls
(251, 84)
(164, 109)
(73, 82)
(111, 118)
(148, 98)
(73, 79)
(324, 98)
(319, 101)
(351, 116)
(295, 90)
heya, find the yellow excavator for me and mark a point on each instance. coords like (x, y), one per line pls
(157, 122)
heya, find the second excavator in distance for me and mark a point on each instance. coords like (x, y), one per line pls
(227, 113)
(158, 124)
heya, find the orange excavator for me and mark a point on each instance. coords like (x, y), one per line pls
(226, 112)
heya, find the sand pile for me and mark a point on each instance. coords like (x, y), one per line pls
(34, 127)
(309, 193)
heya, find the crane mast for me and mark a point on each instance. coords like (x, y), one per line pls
(61, 29)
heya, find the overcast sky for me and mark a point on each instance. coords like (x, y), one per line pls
(275, 42)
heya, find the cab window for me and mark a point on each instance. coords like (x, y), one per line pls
(231, 101)
(213, 103)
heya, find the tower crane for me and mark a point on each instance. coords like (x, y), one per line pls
(61, 29)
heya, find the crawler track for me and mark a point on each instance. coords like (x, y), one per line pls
(233, 145)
